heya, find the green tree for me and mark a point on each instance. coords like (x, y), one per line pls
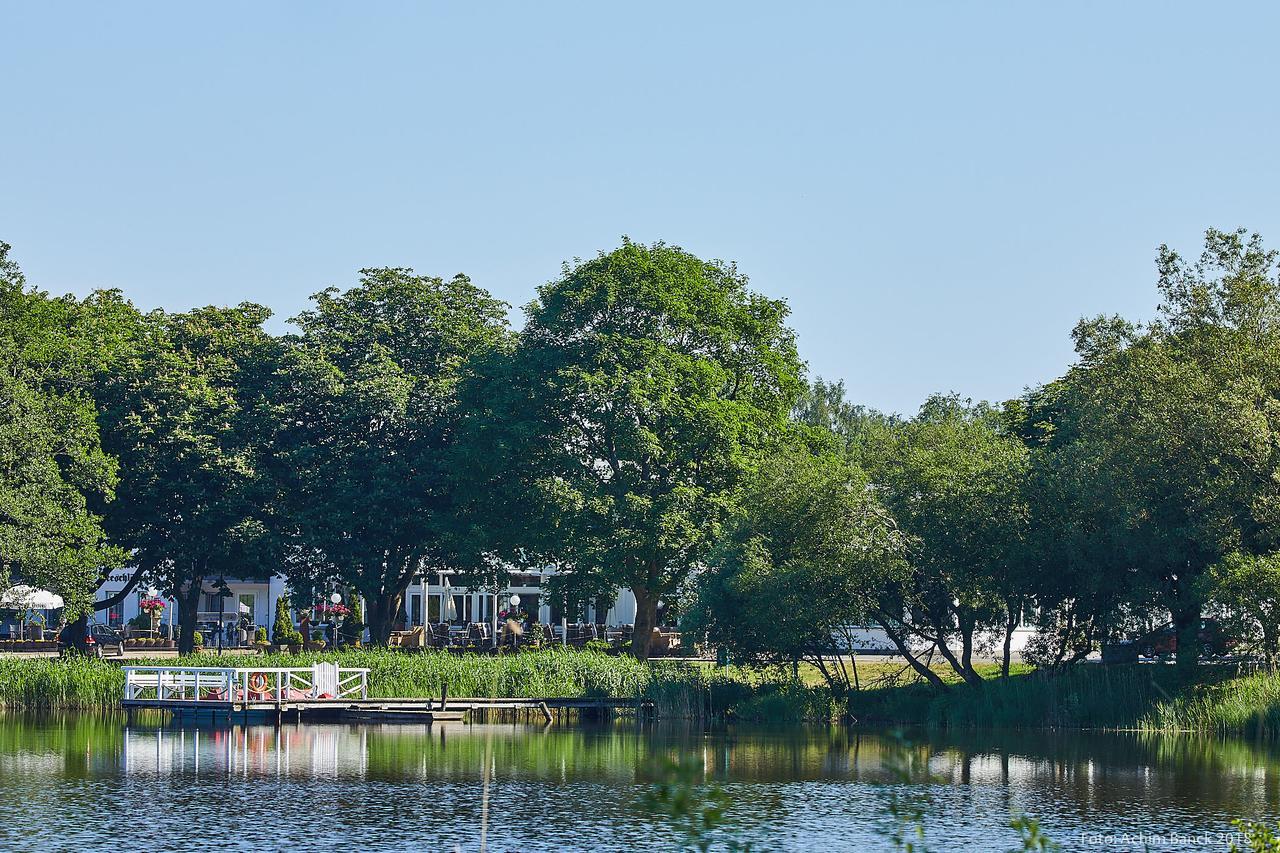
(53, 471)
(824, 406)
(645, 385)
(1248, 587)
(1178, 423)
(187, 419)
(952, 478)
(366, 452)
(804, 557)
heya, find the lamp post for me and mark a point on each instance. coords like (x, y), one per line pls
(493, 613)
(335, 598)
(515, 633)
(153, 593)
(223, 593)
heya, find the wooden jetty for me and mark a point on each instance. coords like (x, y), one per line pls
(324, 691)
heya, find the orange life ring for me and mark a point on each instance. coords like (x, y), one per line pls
(258, 682)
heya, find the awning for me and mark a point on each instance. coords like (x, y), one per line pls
(23, 597)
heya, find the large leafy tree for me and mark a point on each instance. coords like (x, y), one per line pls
(188, 420)
(645, 385)
(366, 455)
(1178, 423)
(804, 557)
(952, 479)
(53, 471)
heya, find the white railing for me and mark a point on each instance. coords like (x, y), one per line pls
(253, 684)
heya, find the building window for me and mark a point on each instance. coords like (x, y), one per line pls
(115, 615)
(415, 609)
(248, 606)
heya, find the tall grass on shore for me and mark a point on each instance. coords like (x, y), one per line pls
(1133, 698)
(677, 690)
(88, 683)
(1137, 697)
(749, 694)
(49, 683)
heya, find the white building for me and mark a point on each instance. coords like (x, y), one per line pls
(256, 598)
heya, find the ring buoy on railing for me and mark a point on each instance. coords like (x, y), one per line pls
(258, 682)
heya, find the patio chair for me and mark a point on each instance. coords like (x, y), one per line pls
(415, 639)
(477, 636)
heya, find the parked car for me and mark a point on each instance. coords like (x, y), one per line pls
(99, 640)
(1214, 640)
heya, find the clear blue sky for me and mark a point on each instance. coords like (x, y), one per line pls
(939, 190)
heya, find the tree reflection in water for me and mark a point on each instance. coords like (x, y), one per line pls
(581, 787)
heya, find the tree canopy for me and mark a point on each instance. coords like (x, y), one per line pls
(651, 423)
(366, 449)
(185, 419)
(803, 558)
(53, 470)
(645, 384)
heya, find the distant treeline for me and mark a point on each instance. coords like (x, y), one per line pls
(651, 426)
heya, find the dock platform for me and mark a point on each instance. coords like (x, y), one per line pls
(322, 692)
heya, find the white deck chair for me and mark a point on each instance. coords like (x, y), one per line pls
(325, 680)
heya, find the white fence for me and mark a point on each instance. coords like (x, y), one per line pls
(324, 681)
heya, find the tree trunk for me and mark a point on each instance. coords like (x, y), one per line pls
(962, 668)
(966, 624)
(923, 671)
(115, 598)
(380, 612)
(188, 607)
(75, 633)
(646, 620)
(1186, 624)
(1010, 624)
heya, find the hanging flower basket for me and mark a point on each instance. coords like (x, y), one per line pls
(151, 606)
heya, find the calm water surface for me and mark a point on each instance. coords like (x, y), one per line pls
(84, 783)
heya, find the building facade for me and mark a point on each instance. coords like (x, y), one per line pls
(427, 598)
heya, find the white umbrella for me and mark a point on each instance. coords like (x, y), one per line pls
(244, 608)
(450, 610)
(29, 598)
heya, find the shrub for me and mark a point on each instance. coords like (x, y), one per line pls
(260, 636)
(197, 639)
(282, 632)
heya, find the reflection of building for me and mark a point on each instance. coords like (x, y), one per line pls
(256, 599)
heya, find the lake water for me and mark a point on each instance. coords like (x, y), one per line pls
(83, 783)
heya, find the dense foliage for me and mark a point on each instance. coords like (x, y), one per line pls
(650, 428)
(54, 475)
(644, 386)
(368, 431)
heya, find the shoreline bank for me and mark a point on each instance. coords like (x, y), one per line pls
(1135, 698)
